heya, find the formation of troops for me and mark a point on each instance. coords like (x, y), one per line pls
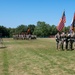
(65, 40)
(24, 36)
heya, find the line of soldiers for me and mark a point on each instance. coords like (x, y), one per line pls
(65, 40)
(24, 36)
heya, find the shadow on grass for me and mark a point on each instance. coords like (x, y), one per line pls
(3, 47)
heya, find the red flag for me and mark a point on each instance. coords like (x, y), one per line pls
(61, 23)
(73, 23)
(28, 31)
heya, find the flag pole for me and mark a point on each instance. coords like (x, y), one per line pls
(65, 21)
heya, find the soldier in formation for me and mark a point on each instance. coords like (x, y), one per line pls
(57, 37)
(65, 40)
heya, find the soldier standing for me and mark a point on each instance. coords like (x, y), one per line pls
(63, 37)
(67, 39)
(57, 37)
(72, 40)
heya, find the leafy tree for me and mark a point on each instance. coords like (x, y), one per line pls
(42, 29)
(12, 31)
(65, 29)
(53, 30)
(37, 31)
(4, 31)
(21, 28)
(31, 27)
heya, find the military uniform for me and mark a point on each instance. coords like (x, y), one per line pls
(67, 40)
(72, 41)
(63, 39)
(57, 37)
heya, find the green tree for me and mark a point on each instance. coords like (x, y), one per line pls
(31, 26)
(53, 30)
(12, 31)
(42, 29)
(65, 29)
(4, 31)
(21, 28)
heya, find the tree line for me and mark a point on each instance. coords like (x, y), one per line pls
(41, 29)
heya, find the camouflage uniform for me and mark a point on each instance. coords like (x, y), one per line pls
(57, 37)
(67, 40)
(72, 40)
(63, 39)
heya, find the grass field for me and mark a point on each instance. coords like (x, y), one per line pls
(35, 57)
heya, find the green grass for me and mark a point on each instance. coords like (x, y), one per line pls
(35, 57)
